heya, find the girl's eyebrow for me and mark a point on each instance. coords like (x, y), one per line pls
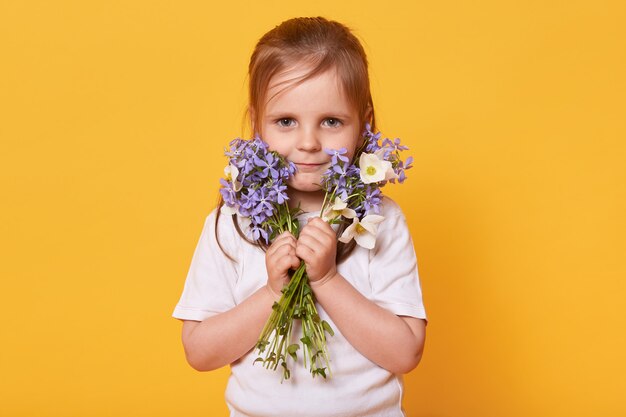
(286, 114)
(279, 114)
(344, 116)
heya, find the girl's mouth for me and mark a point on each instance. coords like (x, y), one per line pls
(302, 167)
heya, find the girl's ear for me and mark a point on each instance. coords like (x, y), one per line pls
(368, 115)
(252, 114)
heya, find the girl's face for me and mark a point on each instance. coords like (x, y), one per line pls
(302, 121)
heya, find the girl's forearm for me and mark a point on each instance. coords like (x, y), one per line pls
(222, 339)
(380, 335)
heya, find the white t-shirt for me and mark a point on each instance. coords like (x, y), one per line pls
(387, 275)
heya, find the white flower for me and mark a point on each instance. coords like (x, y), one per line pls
(373, 168)
(380, 153)
(339, 208)
(228, 211)
(364, 231)
(231, 173)
(390, 173)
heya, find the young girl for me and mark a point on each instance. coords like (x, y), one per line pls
(309, 90)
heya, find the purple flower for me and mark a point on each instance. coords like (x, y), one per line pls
(291, 169)
(372, 139)
(257, 232)
(373, 199)
(341, 169)
(337, 155)
(261, 186)
(267, 165)
(277, 191)
(228, 193)
(395, 145)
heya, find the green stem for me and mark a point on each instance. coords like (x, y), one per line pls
(275, 339)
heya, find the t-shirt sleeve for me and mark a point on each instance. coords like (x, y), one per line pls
(393, 267)
(208, 289)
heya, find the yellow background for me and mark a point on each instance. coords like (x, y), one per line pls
(114, 115)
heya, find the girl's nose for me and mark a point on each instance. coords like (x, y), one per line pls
(309, 141)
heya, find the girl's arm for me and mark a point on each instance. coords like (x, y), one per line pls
(393, 342)
(226, 337)
(222, 339)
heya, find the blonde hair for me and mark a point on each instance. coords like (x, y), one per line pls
(322, 45)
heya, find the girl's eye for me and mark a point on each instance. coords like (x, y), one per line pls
(332, 122)
(285, 122)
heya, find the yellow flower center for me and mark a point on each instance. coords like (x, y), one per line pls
(360, 229)
(370, 170)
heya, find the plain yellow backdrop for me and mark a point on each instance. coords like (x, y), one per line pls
(113, 119)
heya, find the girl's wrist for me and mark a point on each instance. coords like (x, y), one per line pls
(275, 296)
(324, 280)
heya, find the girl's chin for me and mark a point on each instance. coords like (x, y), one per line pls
(305, 185)
(309, 188)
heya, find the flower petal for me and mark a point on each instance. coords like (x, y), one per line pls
(371, 168)
(350, 231)
(366, 240)
(339, 205)
(328, 214)
(348, 213)
(370, 223)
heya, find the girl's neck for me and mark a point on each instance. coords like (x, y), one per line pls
(309, 200)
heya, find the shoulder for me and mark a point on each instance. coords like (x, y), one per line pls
(225, 223)
(390, 208)
(220, 229)
(210, 221)
(393, 225)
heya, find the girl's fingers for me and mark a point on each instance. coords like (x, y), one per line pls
(284, 254)
(290, 262)
(312, 242)
(318, 236)
(285, 250)
(322, 225)
(304, 252)
(315, 246)
(284, 263)
(284, 239)
(320, 228)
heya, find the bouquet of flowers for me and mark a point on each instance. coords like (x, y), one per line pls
(255, 187)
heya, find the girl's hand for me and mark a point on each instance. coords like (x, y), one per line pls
(317, 247)
(279, 258)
